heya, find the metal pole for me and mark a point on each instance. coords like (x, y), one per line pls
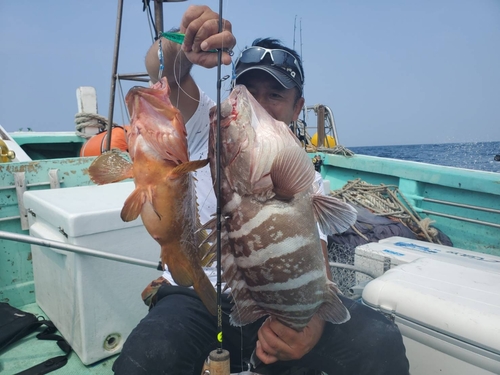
(159, 16)
(321, 125)
(75, 249)
(461, 218)
(335, 135)
(113, 72)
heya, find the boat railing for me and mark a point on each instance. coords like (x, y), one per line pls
(457, 217)
(463, 203)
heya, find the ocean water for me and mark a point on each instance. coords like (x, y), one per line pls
(473, 155)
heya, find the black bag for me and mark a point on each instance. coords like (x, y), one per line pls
(16, 324)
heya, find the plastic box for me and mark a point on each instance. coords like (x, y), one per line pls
(95, 303)
(379, 257)
(449, 315)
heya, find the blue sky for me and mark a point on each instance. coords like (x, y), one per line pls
(393, 72)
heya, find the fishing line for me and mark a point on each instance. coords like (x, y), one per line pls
(178, 56)
(149, 17)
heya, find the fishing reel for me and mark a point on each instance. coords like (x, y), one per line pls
(318, 162)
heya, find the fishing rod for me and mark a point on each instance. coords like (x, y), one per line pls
(219, 358)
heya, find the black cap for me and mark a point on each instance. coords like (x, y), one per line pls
(288, 76)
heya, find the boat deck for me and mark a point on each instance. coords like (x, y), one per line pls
(30, 351)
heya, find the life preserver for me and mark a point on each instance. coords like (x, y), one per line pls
(96, 145)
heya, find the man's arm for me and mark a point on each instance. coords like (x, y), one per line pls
(201, 27)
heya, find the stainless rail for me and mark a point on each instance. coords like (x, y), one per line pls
(494, 225)
(75, 249)
(448, 203)
(353, 268)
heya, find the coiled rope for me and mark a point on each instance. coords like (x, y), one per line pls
(85, 120)
(387, 200)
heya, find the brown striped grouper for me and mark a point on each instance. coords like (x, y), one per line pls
(271, 251)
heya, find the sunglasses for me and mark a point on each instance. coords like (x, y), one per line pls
(279, 57)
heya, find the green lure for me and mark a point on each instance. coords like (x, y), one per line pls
(178, 38)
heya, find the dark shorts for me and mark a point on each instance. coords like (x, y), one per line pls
(178, 334)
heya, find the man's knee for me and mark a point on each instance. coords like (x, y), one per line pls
(147, 351)
(385, 347)
(170, 335)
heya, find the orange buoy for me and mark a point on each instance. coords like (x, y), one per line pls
(96, 145)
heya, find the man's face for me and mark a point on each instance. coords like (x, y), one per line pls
(280, 103)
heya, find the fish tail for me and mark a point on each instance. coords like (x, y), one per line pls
(206, 292)
(188, 273)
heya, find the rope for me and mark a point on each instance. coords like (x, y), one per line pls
(387, 200)
(90, 120)
(336, 150)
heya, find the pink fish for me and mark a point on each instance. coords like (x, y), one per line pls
(164, 192)
(271, 252)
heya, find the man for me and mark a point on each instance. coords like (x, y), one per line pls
(178, 333)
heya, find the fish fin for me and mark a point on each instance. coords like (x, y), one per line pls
(190, 166)
(133, 205)
(251, 312)
(208, 259)
(291, 172)
(210, 225)
(333, 215)
(241, 316)
(185, 273)
(207, 250)
(210, 237)
(207, 293)
(333, 310)
(110, 167)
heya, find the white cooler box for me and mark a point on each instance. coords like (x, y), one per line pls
(95, 303)
(378, 257)
(449, 314)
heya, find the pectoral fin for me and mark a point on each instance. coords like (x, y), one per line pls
(133, 205)
(291, 172)
(110, 167)
(333, 215)
(184, 168)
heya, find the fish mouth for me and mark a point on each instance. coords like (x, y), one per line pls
(156, 96)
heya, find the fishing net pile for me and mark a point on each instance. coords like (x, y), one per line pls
(383, 212)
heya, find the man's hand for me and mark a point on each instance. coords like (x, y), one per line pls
(201, 26)
(277, 342)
